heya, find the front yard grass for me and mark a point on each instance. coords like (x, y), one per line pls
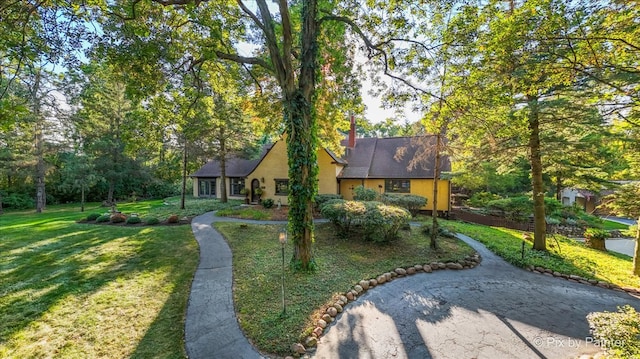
(71, 290)
(565, 256)
(257, 270)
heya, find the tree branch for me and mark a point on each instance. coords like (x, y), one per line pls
(243, 59)
(253, 16)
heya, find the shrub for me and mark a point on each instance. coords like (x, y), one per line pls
(151, 220)
(118, 218)
(103, 218)
(617, 332)
(134, 220)
(375, 220)
(410, 202)
(17, 201)
(173, 218)
(480, 199)
(362, 193)
(515, 208)
(267, 203)
(551, 205)
(93, 216)
(321, 199)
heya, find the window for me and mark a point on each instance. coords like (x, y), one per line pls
(282, 187)
(207, 187)
(237, 184)
(397, 185)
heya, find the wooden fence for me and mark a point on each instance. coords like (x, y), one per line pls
(496, 221)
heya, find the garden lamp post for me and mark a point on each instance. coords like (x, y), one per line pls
(283, 240)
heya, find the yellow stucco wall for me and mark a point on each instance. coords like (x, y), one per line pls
(419, 187)
(274, 166)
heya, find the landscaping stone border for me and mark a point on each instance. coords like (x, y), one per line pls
(578, 279)
(331, 311)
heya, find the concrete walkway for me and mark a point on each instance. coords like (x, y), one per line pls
(211, 326)
(492, 311)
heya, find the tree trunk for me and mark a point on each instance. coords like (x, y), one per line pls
(303, 173)
(112, 186)
(559, 188)
(540, 225)
(302, 137)
(41, 196)
(1, 210)
(223, 168)
(82, 198)
(183, 191)
(636, 252)
(433, 244)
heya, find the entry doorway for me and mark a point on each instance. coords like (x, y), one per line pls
(255, 184)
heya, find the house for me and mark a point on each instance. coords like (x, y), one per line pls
(371, 162)
(585, 199)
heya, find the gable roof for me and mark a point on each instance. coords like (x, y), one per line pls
(376, 158)
(236, 166)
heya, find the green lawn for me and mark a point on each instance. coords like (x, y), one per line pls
(257, 269)
(611, 225)
(72, 290)
(564, 255)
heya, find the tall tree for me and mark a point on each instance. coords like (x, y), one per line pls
(626, 201)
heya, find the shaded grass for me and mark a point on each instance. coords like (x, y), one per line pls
(564, 255)
(162, 209)
(245, 213)
(257, 270)
(79, 290)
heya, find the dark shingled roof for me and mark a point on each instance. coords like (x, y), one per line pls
(236, 167)
(390, 158)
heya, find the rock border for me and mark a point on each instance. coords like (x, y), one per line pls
(578, 279)
(331, 311)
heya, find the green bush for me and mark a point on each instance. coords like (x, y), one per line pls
(617, 332)
(480, 199)
(376, 221)
(362, 193)
(321, 199)
(151, 220)
(410, 202)
(596, 233)
(515, 208)
(103, 218)
(93, 216)
(17, 201)
(426, 229)
(134, 220)
(267, 203)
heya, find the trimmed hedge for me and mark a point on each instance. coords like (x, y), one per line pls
(103, 218)
(93, 216)
(151, 220)
(362, 193)
(134, 220)
(410, 202)
(375, 221)
(321, 199)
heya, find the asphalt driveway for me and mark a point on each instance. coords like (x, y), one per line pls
(492, 311)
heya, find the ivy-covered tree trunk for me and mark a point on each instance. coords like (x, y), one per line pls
(303, 177)
(302, 142)
(540, 225)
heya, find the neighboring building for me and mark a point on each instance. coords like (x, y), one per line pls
(582, 198)
(371, 162)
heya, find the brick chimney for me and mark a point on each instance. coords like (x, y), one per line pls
(352, 133)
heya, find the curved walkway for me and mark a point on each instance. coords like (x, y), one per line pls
(492, 311)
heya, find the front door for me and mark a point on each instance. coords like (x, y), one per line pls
(255, 184)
